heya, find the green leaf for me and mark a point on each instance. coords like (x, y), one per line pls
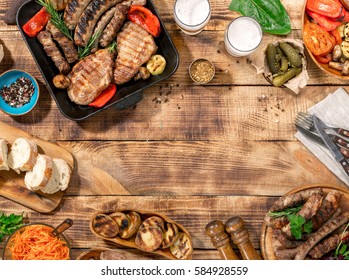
(296, 223)
(9, 223)
(343, 249)
(308, 227)
(271, 14)
(286, 212)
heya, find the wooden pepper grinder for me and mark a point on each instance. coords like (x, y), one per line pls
(220, 240)
(239, 234)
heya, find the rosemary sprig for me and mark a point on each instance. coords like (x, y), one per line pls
(85, 51)
(112, 47)
(286, 212)
(56, 18)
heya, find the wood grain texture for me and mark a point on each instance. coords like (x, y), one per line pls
(185, 113)
(193, 168)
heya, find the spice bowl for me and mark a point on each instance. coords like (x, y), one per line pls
(201, 71)
(19, 92)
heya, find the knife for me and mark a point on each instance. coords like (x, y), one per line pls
(316, 138)
(319, 125)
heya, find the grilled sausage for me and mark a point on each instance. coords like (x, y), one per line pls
(113, 27)
(135, 2)
(89, 18)
(309, 209)
(68, 47)
(101, 24)
(328, 207)
(73, 11)
(325, 246)
(294, 199)
(53, 52)
(326, 229)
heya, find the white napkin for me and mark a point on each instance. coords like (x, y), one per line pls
(332, 110)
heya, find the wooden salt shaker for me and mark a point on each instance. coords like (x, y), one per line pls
(220, 240)
(240, 236)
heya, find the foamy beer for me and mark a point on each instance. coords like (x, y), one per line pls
(242, 36)
(192, 15)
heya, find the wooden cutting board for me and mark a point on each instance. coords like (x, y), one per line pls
(266, 236)
(12, 184)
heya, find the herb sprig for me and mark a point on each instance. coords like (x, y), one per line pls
(299, 226)
(9, 223)
(85, 51)
(286, 212)
(56, 18)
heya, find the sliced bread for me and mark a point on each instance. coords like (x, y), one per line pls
(3, 155)
(38, 177)
(60, 177)
(23, 154)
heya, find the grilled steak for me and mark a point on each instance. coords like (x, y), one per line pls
(68, 47)
(53, 52)
(101, 24)
(113, 27)
(90, 76)
(89, 18)
(135, 47)
(73, 11)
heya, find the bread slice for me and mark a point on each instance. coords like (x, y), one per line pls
(23, 154)
(3, 155)
(60, 178)
(38, 177)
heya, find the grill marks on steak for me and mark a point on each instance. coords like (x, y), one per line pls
(89, 18)
(90, 76)
(135, 47)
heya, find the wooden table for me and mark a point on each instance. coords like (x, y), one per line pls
(195, 153)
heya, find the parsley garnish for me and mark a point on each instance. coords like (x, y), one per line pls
(9, 223)
(299, 225)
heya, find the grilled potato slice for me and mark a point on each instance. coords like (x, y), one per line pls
(170, 235)
(149, 238)
(153, 221)
(105, 226)
(134, 224)
(121, 219)
(182, 248)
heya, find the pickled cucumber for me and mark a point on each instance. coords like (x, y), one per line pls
(292, 54)
(278, 81)
(271, 59)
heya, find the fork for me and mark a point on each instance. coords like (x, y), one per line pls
(307, 124)
(308, 119)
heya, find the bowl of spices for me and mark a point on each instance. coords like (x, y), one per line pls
(201, 71)
(19, 92)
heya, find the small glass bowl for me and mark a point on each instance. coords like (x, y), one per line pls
(201, 71)
(7, 255)
(9, 77)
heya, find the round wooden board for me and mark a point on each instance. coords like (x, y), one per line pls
(266, 235)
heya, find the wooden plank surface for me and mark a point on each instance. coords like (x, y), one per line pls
(195, 153)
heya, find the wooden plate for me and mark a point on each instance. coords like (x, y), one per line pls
(266, 236)
(130, 242)
(118, 254)
(322, 66)
(12, 184)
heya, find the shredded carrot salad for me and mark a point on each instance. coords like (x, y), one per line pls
(36, 242)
